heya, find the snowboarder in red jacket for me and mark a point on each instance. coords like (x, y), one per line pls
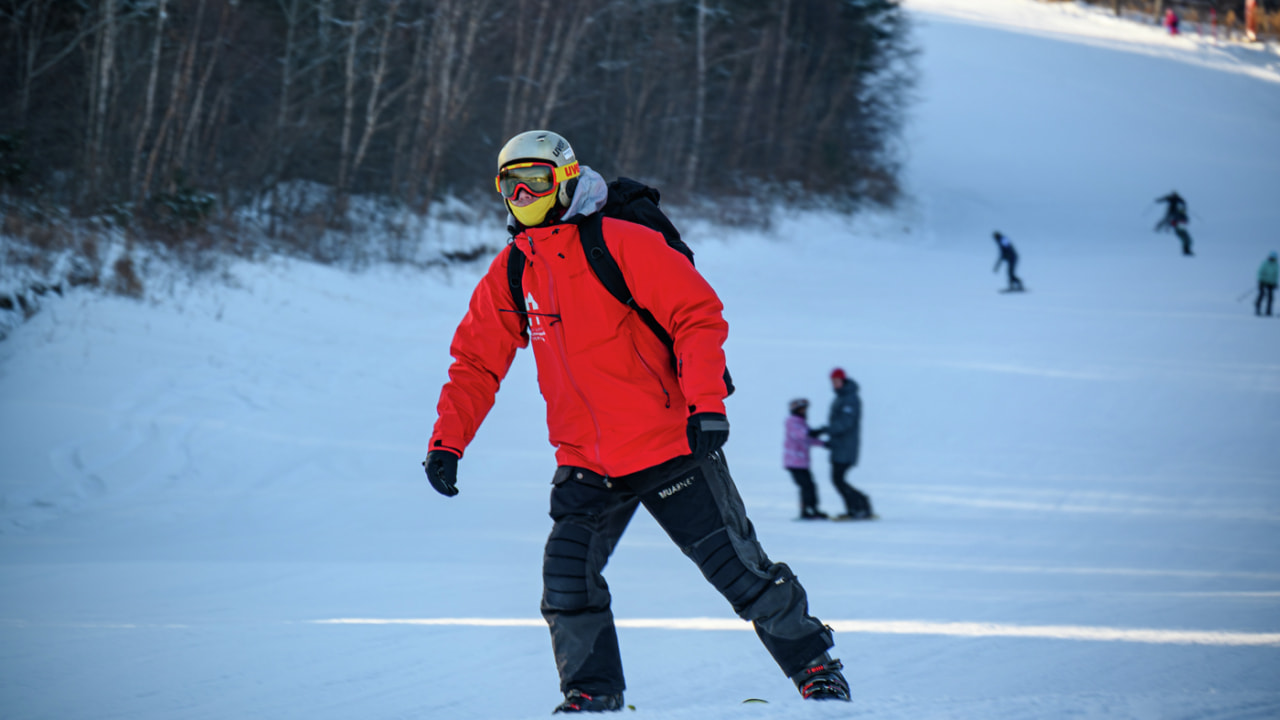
(632, 425)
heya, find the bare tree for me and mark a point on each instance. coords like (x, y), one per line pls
(379, 98)
(30, 21)
(639, 69)
(402, 158)
(542, 59)
(179, 84)
(450, 76)
(569, 25)
(526, 54)
(194, 116)
(700, 97)
(148, 109)
(349, 101)
(99, 96)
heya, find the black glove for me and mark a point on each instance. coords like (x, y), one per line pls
(442, 471)
(708, 432)
(815, 432)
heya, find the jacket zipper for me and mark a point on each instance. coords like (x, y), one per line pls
(564, 350)
(657, 378)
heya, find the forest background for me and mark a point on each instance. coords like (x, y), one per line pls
(248, 126)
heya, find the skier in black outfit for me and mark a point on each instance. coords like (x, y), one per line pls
(1175, 216)
(844, 431)
(1010, 256)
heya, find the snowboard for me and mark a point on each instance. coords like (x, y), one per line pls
(846, 518)
(1012, 290)
(835, 518)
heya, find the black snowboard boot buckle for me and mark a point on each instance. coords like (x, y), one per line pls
(822, 680)
(576, 701)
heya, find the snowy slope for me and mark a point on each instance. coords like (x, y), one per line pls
(213, 508)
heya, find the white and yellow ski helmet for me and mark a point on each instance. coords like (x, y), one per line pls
(543, 162)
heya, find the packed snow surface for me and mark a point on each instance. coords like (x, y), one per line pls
(211, 506)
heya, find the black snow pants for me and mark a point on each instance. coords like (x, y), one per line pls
(1015, 283)
(856, 503)
(698, 506)
(808, 490)
(1185, 237)
(1267, 295)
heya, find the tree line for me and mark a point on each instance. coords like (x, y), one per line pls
(120, 105)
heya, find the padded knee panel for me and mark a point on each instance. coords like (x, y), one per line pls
(564, 568)
(720, 564)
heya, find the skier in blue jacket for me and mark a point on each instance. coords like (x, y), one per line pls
(1267, 275)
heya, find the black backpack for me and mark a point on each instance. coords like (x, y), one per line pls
(628, 200)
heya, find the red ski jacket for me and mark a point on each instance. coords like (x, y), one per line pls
(615, 403)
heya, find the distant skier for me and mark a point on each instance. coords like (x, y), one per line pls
(795, 458)
(1009, 256)
(1267, 275)
(1171, 21)
(1175, 216)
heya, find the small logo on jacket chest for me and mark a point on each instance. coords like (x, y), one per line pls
(536, 331)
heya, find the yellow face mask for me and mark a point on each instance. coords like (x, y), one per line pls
(534, 213)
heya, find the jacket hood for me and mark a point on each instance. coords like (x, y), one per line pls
(588, 197)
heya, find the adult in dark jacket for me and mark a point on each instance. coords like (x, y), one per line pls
(628, 429)
(844, 438)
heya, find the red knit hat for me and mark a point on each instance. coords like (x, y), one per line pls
(838, 373)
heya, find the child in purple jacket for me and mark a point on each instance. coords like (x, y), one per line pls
(795, 458)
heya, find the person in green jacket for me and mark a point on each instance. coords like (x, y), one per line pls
(1266, 284)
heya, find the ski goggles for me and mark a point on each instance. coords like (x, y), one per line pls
(538, 178)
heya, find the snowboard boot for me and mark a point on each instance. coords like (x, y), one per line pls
(576, 701)
(821, 680)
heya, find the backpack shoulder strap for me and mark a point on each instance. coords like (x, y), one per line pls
(641, 205)
(515, 280)
(603, 264)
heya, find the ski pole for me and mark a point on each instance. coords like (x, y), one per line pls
(1246, 294)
